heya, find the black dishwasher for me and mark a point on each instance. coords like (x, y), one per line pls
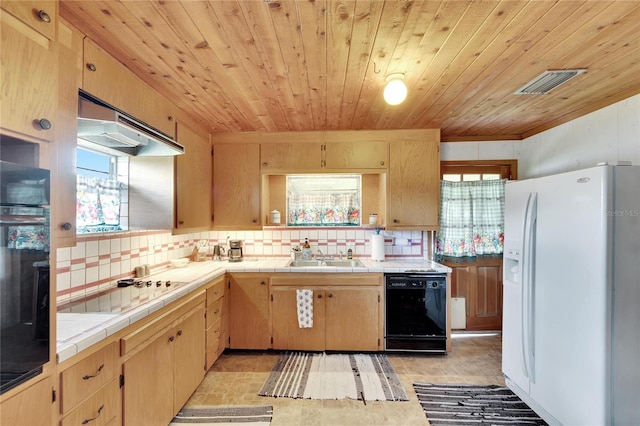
(416, 312)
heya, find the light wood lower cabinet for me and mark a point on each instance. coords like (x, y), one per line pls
(86, 386)
(480, 283)
(167, 366)
(216, 321)
(26, 407)
(249, 311)
(99, 409)
(347, 312)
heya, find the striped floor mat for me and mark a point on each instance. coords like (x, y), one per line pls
(224, 415)
(368, 377)
(473, 405)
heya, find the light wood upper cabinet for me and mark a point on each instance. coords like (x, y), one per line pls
(413, 194)
(249, 311)
(41, 15)
(29, 76)
(290, 156)
(236, 186)
(308, 157)
(63, 220)
(356, 155)
(110, 81)
(193, 181)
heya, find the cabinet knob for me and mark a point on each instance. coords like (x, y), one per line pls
(255, 221)
(171, 338)
(319, 296)
(262, 282)
(43, 123)
(181, 222)
(179, 333)
(395, 221)
(382, 163)
(170, 118)
(330, 295)
(66, 226)
(265, 164)
(91, 67)
(44, 16)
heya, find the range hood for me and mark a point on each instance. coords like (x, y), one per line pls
(99, 124)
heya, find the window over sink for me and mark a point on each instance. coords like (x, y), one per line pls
(324, 200)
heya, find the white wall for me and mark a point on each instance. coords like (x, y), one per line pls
(610, 134)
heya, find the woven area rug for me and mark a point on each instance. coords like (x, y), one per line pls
(473, 405)
(224, 415)
(368, 377)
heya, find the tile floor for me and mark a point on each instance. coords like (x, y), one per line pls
(237, 377)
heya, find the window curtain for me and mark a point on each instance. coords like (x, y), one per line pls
(98, 204)
(471, 219)
(323, 209)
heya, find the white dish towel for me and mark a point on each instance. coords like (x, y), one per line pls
(305, 308)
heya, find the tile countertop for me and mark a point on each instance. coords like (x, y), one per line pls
(77, 331)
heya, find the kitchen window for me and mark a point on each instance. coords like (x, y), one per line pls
(472, 208)
(324, 200)
(101, 192)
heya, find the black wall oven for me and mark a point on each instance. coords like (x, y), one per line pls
(24, 273)
(416, 312)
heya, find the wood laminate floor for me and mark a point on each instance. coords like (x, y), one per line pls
(236, 379)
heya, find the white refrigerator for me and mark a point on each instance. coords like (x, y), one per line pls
(571, 315)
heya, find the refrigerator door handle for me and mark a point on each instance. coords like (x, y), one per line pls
(528, 286)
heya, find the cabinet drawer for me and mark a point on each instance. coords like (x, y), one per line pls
(98, 410)
(215, 311)
(215, 292)
(87, 376)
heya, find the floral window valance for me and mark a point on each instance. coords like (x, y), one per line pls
(324, 209)
(471, 218)
(324, 200)
(98, 204)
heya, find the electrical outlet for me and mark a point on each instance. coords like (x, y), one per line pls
(402, 242)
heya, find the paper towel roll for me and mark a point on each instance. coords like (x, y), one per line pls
(377, 247)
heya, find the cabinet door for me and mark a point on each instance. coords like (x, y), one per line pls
(189, 357)
(193, 181)
(249, 312)
(236, 186)
(285, 329)
(41, 15)
(33, 406)
(290, 156)
(353, 320)
(110, 81)
(357, 155)
(148, 387)
(29, 76)
(63, 220)
(413, 198)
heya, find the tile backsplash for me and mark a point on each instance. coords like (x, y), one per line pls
(97, 262)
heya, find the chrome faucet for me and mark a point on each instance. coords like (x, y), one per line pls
(340, 255)
(322, 257)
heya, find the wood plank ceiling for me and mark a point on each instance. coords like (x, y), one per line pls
(283, 65)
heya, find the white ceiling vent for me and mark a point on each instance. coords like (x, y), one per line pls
(547, 81)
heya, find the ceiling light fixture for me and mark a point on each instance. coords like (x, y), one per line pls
(395, 91)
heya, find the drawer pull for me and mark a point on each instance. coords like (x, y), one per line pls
(179, 333)
(87, 377)
(216, 312)
(85, 421)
